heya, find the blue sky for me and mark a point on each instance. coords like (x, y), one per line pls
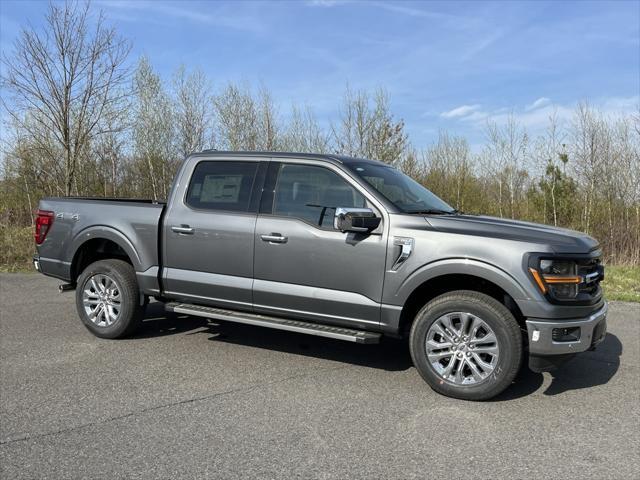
(445, 65)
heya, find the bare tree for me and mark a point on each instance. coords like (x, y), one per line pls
(587, 149)
(448, 164)
(153, 132)
(109, 157)
(192, 110)
(63, 80)
(366, 130)
(236, 119)
(507, 154)
(550, 159)
(304, 134)
(268, 124)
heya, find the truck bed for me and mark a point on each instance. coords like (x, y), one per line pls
(131, 223)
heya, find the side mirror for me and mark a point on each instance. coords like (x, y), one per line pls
(360, 220)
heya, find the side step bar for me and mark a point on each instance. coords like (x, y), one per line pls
(358, 336)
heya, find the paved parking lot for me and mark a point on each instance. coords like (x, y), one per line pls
(190, 398)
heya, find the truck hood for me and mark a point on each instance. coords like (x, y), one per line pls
(561, 240)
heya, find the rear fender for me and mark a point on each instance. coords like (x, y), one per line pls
(108, 233)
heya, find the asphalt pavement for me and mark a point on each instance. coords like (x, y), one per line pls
(191, 398)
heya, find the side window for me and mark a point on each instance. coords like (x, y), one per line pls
(222, 186)
(312, 194)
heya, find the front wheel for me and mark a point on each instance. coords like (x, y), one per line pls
(108, 299)
(466, 345)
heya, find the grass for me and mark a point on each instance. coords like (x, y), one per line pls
(622, 283)
(16, 250)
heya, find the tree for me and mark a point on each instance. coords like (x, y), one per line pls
(63, 81)
(507, 154)
(236, 119)
(192, 111)
(551, 158)
(558, 191)
(367, 128)
(449, 168)
(304, 134)
(153, 133)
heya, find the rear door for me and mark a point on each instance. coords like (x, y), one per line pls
(209, 233)
(304, 267)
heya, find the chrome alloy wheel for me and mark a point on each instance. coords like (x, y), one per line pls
(101, 300)
(462, 348)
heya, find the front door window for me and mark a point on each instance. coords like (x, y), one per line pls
(312, 194)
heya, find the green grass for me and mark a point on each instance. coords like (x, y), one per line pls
(16, 248)
(622, 283)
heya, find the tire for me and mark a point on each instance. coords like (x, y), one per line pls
(466, 363)
(108, 299)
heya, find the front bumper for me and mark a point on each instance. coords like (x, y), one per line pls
(592, 330)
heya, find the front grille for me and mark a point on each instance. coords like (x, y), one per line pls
(592, 271)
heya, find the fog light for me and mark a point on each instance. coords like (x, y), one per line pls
(571, 334)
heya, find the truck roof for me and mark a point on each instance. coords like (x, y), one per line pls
(268, 154)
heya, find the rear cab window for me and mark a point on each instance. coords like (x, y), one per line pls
(221, 185)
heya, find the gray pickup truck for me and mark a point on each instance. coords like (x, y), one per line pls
(340, 247)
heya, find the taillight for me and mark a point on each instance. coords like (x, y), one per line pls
(44, 221)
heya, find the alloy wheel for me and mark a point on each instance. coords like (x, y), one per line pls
(462, 348)
(101, 300)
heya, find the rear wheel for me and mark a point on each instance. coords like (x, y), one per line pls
(108, 299)
(466, 345)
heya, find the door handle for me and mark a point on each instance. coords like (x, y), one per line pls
(184, 229)
(274, 238)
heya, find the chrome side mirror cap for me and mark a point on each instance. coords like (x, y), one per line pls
(359, 220)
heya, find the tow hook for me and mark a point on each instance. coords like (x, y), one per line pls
(65, 287)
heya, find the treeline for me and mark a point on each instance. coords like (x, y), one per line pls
(82, 122)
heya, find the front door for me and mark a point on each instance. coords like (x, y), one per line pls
(304, 267)
(209, 235)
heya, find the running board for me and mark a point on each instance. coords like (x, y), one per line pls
(340, 333)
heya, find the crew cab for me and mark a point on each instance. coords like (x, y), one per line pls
(339, 247)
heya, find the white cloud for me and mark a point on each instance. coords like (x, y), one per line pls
(535, 116)
(461, 111)
(621, 104)
(539, 103)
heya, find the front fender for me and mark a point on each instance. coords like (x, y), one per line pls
(463, 266)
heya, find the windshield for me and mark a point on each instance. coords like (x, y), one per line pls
(401, 190)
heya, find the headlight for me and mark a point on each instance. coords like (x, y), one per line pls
(559, 278)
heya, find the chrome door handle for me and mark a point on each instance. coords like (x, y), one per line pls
(184, 229)
(274, 238)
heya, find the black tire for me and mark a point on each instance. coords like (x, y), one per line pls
(496, 316)
(129, 310)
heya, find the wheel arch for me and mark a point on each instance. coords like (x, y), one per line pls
(432, 281)
(100, 243)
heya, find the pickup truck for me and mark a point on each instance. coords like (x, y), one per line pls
(339, 247)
